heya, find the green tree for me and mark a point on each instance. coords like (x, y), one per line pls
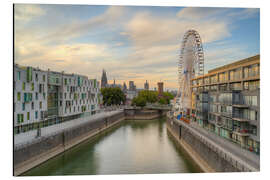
(168, 96)
(139, 101)
(149, 96)
(162, 100)
(113, 96)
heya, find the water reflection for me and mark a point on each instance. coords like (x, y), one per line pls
(141, 146)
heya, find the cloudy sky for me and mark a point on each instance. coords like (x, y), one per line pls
(130, 42)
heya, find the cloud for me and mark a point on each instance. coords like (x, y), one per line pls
(142, 45)
(26, 12)
(245, 13)
(199, 13)
(145, 30)
(79, 28)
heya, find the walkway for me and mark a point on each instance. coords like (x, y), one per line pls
(246, 158)
(30, 136)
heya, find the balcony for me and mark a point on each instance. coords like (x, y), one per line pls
(240, 105)
(240, 119)
(241, 132)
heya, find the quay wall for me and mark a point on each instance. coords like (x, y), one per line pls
(206, 156)
(30, 155)
(143, 114)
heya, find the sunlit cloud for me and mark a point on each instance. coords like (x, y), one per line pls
(129, 43)
(26, 12)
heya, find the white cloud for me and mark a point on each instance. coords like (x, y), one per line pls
(245, 13)
(146, 30)
(199, 13)
(25, 12)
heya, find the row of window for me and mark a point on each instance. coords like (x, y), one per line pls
(77, 95)
(80, 89)
(28, 96)
(36, 76)
(32, 106)
(235, 74)
(20, 117)
(82, 108)
(70, 103)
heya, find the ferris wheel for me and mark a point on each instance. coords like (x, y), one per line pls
(191, 64)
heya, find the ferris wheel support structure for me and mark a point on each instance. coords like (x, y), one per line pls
(191, 65)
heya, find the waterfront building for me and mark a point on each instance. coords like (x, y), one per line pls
(104, 80)
(226, 101)
(146, 85)
(43, 98)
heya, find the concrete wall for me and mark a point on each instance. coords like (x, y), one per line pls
(206, 156)
(143, 114)
(31, 155)
(44, 148)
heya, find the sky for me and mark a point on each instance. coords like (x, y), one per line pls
(136, 43)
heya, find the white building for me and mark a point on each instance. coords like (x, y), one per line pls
(44, 98)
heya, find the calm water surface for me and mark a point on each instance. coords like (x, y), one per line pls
(133, 147)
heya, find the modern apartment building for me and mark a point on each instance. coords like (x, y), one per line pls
(43, 98)
(226, 101)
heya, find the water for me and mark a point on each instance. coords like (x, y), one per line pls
(133, 147)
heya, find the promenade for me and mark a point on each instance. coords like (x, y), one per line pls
(243, 157)
(30, 136)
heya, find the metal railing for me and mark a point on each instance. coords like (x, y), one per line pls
(230, 157)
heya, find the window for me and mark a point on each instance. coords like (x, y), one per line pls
(32, 105)
(36, 114)
(245, 72)
(65, 95)
(44, 96)
(65, 81)
(18, 96)
(23, 106)
(19, 118)
(19, 75)
(253, 115)
(28, 115)
(32, 87)
(36, 76)
(40, 104)
(23, 86)
(36, 96)
(43, 77)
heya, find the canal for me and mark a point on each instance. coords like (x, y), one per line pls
(132, 147)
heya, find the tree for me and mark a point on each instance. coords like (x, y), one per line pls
(149, 96)
(113, 96)
(162, 100)
(139, 101)
(168, 96)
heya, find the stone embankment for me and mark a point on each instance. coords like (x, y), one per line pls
(30, 151)
(210, 152)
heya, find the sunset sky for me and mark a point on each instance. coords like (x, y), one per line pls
(130, 42)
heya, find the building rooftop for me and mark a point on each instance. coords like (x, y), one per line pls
(243, 62)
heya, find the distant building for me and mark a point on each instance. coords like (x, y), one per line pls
(104, 81)
(146, 85)
(132, 86)
(124, 87)
(160, 88)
